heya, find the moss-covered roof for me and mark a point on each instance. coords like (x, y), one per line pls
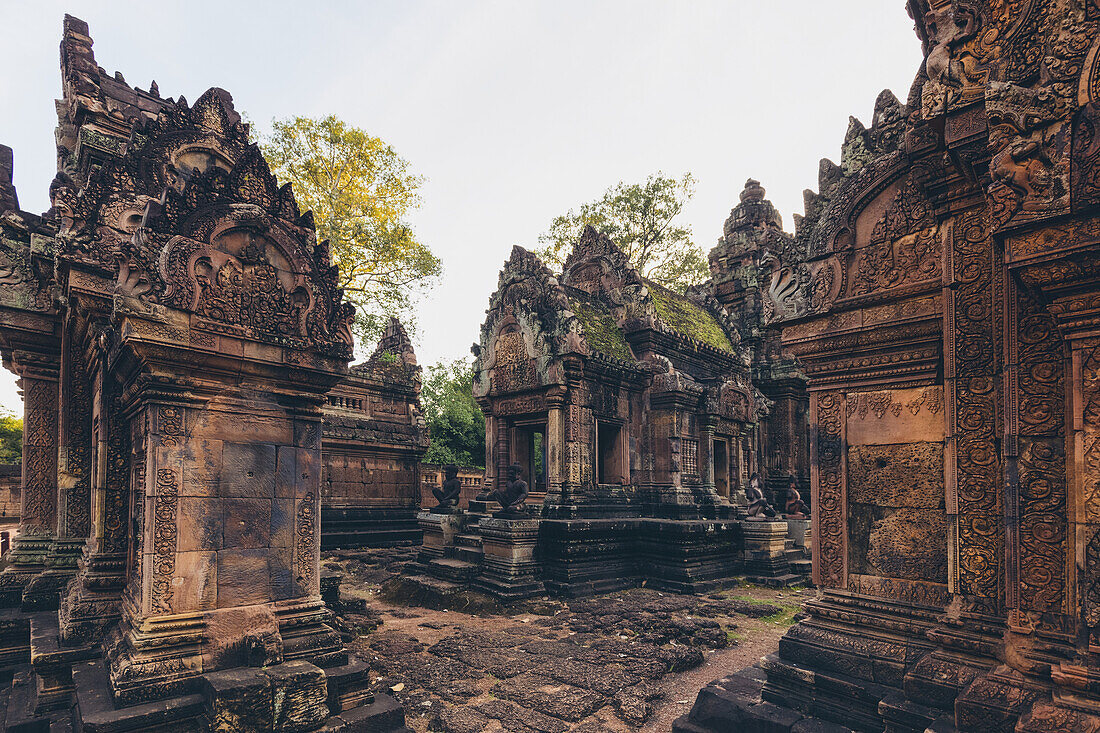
(687, 318)
(600, 330)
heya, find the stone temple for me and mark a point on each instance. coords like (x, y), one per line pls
(941, 294)
(633, 413)
(177, 331)
(919, 358)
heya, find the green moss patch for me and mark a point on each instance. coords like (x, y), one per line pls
(600, 330)
(688, 318)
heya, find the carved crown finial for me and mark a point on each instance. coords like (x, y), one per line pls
(394, 342)
(753, 191)
(754, 211)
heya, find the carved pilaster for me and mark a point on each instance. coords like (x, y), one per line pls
(39, 502)
(1036, 486)
(555, 446)
(74, 470)
(971, 374)
(828, 486)
(93, 601)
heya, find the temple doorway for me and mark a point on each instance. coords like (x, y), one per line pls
(720, 455)
(611, 466)
(529, 451)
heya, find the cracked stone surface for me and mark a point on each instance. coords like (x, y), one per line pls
(625, 661)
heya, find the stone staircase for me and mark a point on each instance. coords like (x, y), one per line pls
(798, 559)
(471, 550)
(467, 547)
(452, 553)
(734, 703)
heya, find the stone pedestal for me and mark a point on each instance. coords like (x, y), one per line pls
(510, 568)
(800, 531)
(43, 592)
(439, 531)
(585, 556)
(27, 561)
(765, 548)
(53, 663)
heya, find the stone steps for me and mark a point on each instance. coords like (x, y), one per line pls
(473, 555)
(785, 580)
(468, 540)
(453, 570)
(734, 703)
(20, 716)
(802, 567)
(902, 714)
(384, 715)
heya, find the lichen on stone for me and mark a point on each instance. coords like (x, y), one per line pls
(600, 330)
(687, 318)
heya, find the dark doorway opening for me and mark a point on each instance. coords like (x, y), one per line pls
(530, 452)
(720, 455)
(610, 453)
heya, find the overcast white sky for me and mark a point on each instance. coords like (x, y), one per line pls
(514, 111)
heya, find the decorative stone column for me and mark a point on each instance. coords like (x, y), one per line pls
(38, 521)
(555, 444)
(74, 469)
(706, 452)
(93, 601)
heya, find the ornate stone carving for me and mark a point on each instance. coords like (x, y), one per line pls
(40, 456)
(170, 424)
(830, 503)
(305, 540)
(76, 448)
(970, 331)
(165, 508)
(1040, 391)
(1091, 592)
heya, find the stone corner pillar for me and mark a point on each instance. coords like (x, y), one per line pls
(38, 374)
(74, 471)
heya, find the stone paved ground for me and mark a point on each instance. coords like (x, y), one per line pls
(625, 661)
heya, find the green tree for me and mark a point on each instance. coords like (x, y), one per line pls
(641, 219)
(455, 422)
(11, 438)
(361, 192)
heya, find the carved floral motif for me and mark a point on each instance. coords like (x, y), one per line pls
(305, 538)
(970, 330)
(40, 456)
(165, 507)
(830, 503)
(1042, 463)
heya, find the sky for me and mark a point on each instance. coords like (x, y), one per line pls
(514, 111)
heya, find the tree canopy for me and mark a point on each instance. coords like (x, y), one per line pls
(11, 438)
(455, 422)
(361, 192)
(641, 219)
